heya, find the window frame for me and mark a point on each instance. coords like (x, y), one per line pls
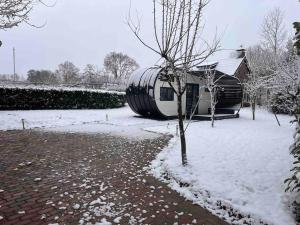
(166, 94)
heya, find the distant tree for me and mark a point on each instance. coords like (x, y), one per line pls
(290, 52)
(68, 72)
(120, 65)
(90, 74)
(286, 86)
(41, 77)
(261, 70)
(9, 77)
(297, 37)
(273, 32)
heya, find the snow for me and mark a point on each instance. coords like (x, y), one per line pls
(103, 222)
(117, 220)
(120, 122)
(229, 66)
(40, 87)
(76, 206)
(226, 61)
(240, 163)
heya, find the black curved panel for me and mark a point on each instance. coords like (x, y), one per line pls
(130, 91)
(140, 92)
(230, 93)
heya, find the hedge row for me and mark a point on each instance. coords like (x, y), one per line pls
(34, 98)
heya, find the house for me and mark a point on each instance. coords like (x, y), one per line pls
(150, 95)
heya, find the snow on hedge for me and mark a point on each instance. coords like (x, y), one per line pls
(237, 167)
(59, 88)
(45, 97)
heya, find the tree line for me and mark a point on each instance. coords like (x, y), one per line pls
(269, 62)
(119, 66)
(275, 75)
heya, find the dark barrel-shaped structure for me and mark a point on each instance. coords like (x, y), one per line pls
(230, 92)
(145, 84)
(140, 92)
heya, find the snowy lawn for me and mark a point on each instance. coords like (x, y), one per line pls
(239, 164)
(122, 121)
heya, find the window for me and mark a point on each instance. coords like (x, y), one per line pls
(166, 94)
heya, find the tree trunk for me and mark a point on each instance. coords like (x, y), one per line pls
(181, 130)
(253, 108)
(212, 108)
(180, 121)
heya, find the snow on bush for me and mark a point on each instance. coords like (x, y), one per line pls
(13, 97)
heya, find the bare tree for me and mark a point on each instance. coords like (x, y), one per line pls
(120, 65)
(90, 74)
(42, 77)
(259, 63)
(286, 87)
(211, 84)
(68, 72)
(273, 32)
(15, 12)
(177, 29)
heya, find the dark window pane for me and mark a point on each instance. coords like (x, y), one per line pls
(166, 94)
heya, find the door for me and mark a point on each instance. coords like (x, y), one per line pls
(192, 96)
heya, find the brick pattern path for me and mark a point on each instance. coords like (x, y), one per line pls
(48, 178)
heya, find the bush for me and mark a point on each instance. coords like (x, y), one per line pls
(14, 98)
(280, 104)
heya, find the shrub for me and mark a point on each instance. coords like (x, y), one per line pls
(16, 98)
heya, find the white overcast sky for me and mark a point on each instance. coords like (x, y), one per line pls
(84, 31)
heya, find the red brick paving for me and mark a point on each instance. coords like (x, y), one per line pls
(78, 169)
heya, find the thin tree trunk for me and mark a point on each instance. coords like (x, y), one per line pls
(180, 122)
(181, 130)
(253, 108)
(212, 109)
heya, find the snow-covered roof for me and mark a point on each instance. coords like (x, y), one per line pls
(225, 64)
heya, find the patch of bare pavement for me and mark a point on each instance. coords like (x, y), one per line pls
(55, 178)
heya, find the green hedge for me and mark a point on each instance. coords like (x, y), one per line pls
(39, 98)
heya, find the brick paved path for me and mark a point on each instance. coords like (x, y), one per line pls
(48, 178)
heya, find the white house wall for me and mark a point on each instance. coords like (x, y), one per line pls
(169, 108)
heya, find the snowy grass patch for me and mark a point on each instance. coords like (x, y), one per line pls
(236, 170)
(120, 122)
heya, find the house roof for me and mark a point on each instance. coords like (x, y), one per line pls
(224, 64)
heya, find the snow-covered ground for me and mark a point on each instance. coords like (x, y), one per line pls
(120, 121)
(239, 164)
